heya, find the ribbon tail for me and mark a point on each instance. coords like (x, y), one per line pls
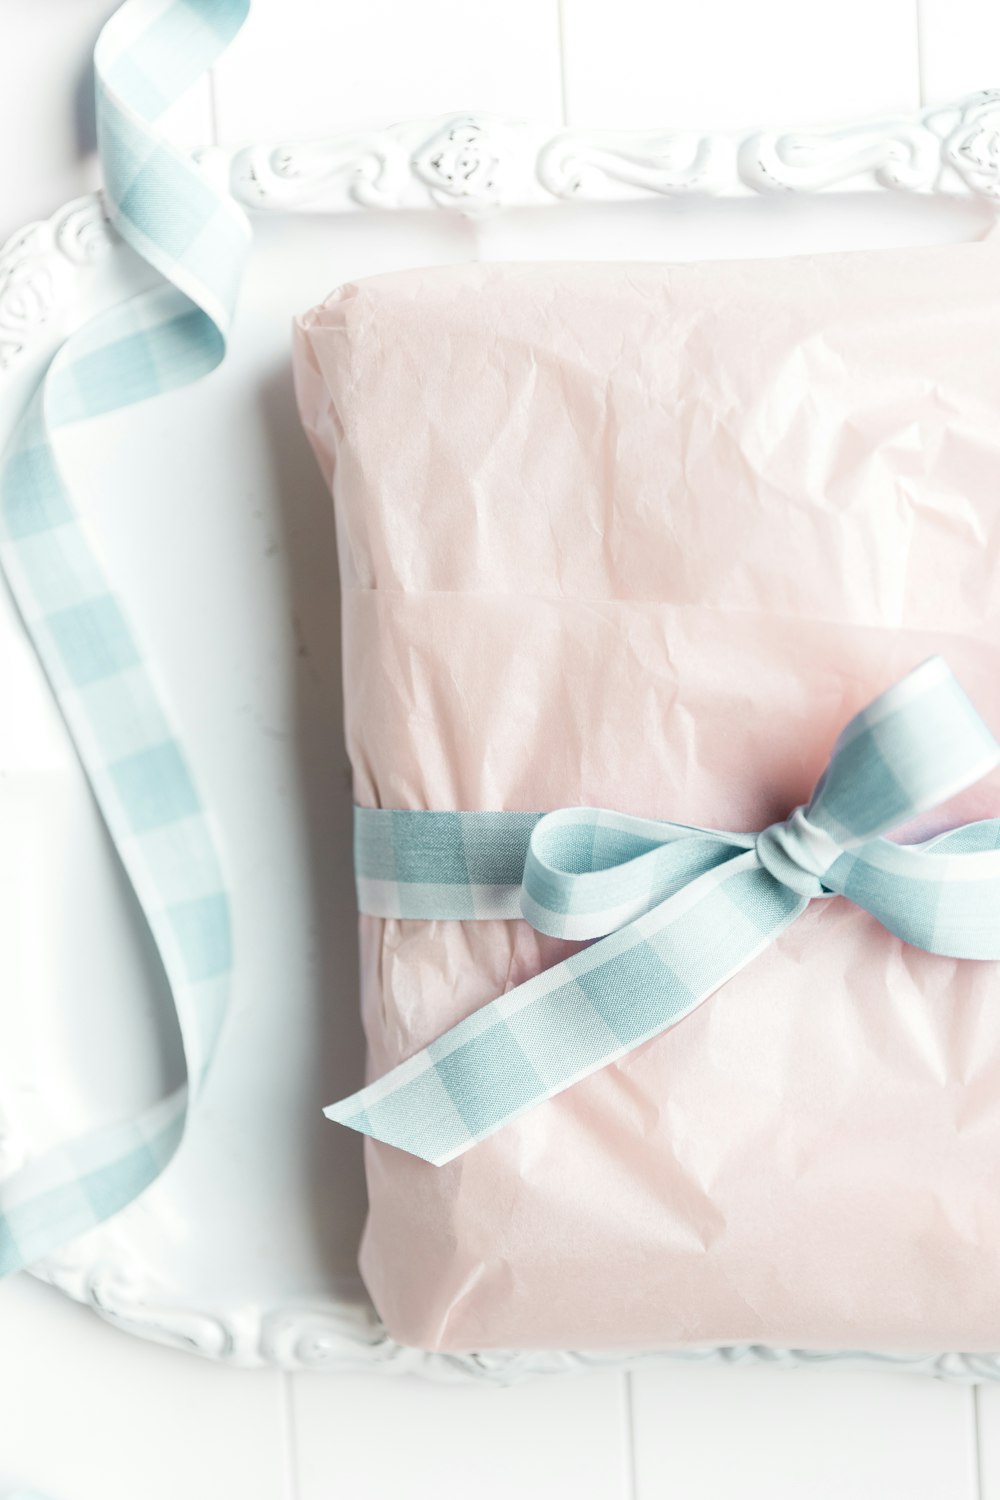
(169, 213)
(585, 1012)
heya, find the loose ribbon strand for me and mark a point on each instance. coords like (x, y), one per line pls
(676, 909)
(167, 211)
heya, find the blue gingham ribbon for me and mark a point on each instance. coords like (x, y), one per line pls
(676, 909)
(163, 206)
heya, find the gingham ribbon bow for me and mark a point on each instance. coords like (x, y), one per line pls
(677, 909)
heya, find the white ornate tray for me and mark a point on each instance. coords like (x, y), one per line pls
(219, 534)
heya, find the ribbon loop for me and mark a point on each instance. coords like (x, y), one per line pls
(588, 870)
(914, 746)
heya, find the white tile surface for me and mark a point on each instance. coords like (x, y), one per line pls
(332, 65)
(988, 1422)
(46, 88)
(959, 48)
(708, 1432)
(548, 1438)
(641, 63)
(87, 1413)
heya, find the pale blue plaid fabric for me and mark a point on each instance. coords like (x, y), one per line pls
(676, 909)
(163, 206)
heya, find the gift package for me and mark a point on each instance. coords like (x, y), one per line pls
(670, 633)
(649, 559)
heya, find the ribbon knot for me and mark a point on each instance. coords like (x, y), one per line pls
(677, 909)
(798, 853)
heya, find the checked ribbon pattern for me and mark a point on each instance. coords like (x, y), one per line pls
(675, 909)
(164, 207)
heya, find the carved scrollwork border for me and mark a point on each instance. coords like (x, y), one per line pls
(477, 163)
(40, 267)
(347, 1336)
(474, 163)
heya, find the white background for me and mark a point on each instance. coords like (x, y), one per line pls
(90, 1414)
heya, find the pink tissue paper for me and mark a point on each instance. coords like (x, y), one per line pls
(645, 536)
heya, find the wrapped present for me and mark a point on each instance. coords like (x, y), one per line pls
(648, 570)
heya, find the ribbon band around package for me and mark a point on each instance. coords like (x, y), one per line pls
(676, 909)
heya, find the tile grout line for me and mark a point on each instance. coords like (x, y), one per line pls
(919, 18)
(213, 107)
(977, 1444)
(286, 1423)
(628, 1392)
(563, 68)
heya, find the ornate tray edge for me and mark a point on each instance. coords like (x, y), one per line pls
(344, 1337)
(40, 274)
